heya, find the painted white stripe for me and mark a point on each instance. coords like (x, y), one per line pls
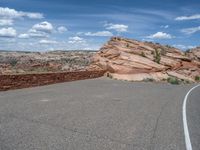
(185, 125)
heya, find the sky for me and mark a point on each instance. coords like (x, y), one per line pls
(42, 25)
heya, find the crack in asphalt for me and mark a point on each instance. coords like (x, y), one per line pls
(152, 142)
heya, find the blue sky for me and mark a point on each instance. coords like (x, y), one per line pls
(40, 25)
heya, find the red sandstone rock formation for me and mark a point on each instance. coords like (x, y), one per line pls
(134, 60)
(194, 53)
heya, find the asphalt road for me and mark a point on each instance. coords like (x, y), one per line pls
(97, 114)
(193, 118)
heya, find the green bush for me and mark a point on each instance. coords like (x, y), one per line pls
(173, 80)
(197, 78)
(187, 82)
(186, 52)
(168, 46)
(127, 45)
(157, 56)
(118, 38)
(13, 62)
(109, 75)
(149, 80)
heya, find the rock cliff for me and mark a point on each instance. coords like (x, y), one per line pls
(137, 61)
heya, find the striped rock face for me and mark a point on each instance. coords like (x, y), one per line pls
(194, 53)
(131, 58)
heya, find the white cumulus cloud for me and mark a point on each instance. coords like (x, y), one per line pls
(165, 26)
(62, 29)
(12, 13)
(192, 17)
(37, 34)
(116, 27)
(100, 33)
(76, 40)
(160, 35)
(43, 27)
(24, 36)
(191, 30)
(40, 30)
(6, 22)
(47, 42)
(8, 32)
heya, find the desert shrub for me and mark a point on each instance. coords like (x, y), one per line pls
(127, 45)
(187, 82)
(168, 46)
(173, 80)
(13, 62)
(149, 80)
(187, 51)
(109, 75)
(118, 38)
(143, 54)
(114, 38)
(157, 56)
(197, 78)
(75, 61)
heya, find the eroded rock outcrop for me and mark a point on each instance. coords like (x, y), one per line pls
(194, 53)
(136, 61)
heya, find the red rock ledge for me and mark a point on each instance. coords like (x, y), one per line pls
(8, 82)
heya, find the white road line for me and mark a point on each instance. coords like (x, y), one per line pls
(185, 126)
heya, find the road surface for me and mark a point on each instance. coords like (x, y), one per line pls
(193, 118)
(98, 114)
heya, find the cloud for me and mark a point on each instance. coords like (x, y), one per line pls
(47, 42)
(100, 33)
(12, 13)
(160, 35)
(24, 36)
(6, 22)
(76, 40)
(165, 26)
(43, 27)
(34, 15)
(116, 27)
(37, 34)
(191, 30)
(184, 47)
(62, 29)
(40, 30)
(193, 17)
(8, 32)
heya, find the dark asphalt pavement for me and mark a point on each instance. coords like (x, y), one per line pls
(193, 118)
(96, 114)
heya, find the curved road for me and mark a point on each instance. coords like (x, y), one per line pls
(193, 117)
(98, 114)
